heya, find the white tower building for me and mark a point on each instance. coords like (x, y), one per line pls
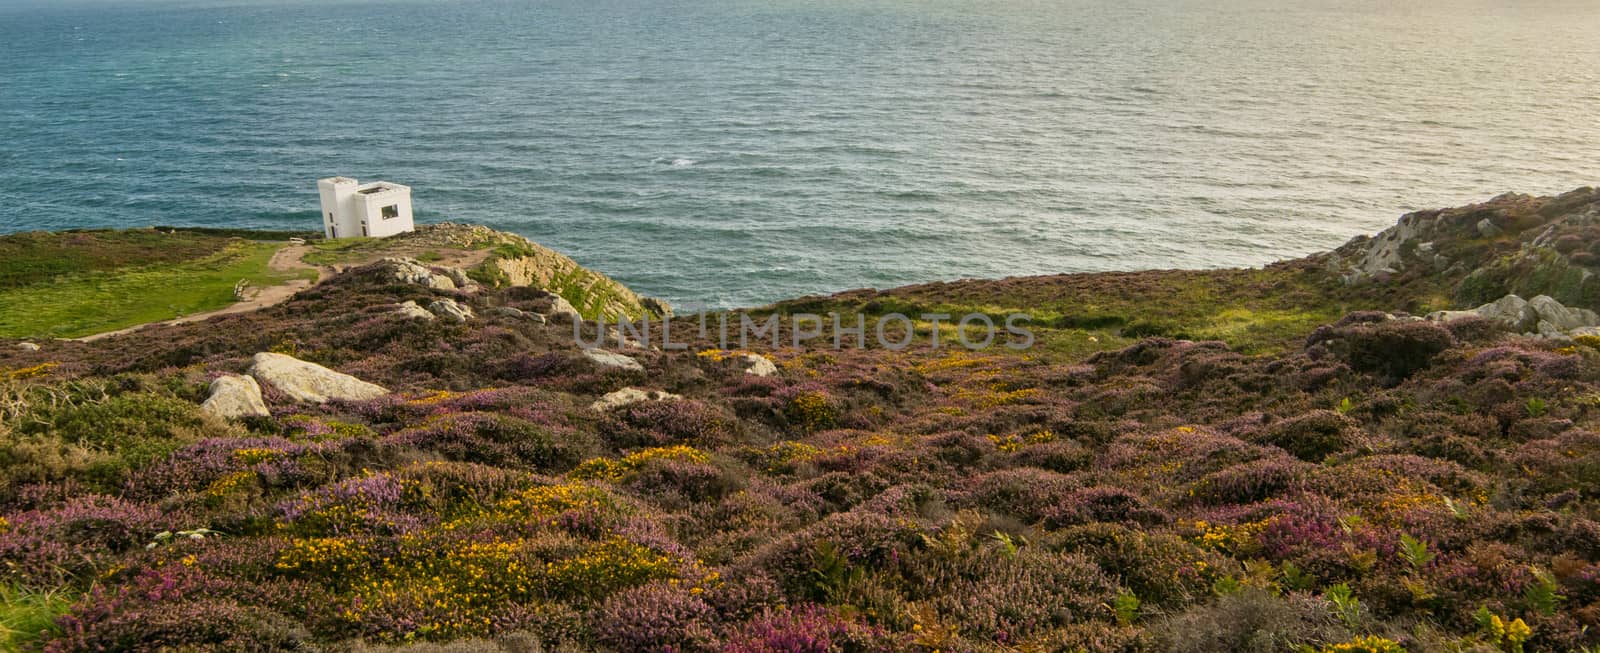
(351, 209)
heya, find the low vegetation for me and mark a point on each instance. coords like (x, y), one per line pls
(1369, 485)
(143, 281)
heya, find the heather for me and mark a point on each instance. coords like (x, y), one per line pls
(1377, 484)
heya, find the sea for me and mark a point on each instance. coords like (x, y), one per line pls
(722, 153)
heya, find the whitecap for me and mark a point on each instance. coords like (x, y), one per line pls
(678, 162)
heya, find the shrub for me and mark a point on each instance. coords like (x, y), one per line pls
(1025, 493)
(607, 567)
(172, 609)
(1063, 456)
(656, 617)
(102, 440)
(498, 440)
(1368, 644)
(808, 628)
(1160, 568)
(76, 540)
(368, 504)
(1312, 436)
(122, 422)
(619, 470)
(660, 423)
(1104, 504)
(1251, 482)
(1006, 598)
(1251, 621)
(864, 538)
(810, 411)
(679, 483)
(843, 490)
(1390, 351)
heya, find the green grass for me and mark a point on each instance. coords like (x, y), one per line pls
(342, 251)
(1253, 310)
(35, 257)
(99, 300)
(26, 614)
(247, 234)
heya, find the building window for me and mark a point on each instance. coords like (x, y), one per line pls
(391, 211)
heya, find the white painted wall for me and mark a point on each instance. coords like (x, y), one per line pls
(335, 193)
(369, 209)
(348, 212)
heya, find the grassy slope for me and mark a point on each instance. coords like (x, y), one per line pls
(37, 257)
(1120, 478)
(1232, 497)
(70, 285)
(1253, 310)
(347, 251)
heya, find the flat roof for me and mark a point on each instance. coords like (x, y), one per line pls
(379, 187)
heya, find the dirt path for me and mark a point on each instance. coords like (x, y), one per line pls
(284, 260)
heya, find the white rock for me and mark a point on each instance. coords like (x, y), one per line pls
(630, 396)
(461, 280)
(309, 382)
(1511, 310)
(517, 313)
(1561, 317)
(1487, 229)
(28, 346)
(1451, 316)
(410, 309)
(234, 396)
(1542, 316)
(451, 310)
(407, 270)
(560, 308)
(758, 365)
(605, 358)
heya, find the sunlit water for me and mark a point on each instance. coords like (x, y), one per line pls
(727, 152)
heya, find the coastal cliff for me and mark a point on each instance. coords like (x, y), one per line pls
(1389, 447)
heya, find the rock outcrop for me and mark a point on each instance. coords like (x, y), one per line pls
(1513, 244)
(309, 382)
(459, 277)
(517, 261)
(517, 314)
(1541, 316)
(504, 260)
(630, 396)
(234, 396)
(758, 365)
(562, 310)
(410, 271)
(412, 310)
(451, 310)
(611, 359)
(1562, 318)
